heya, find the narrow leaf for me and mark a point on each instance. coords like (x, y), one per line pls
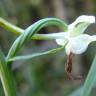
(91, 79)
(30, 31)
(35, 54)
(85, 90)
(6, 77)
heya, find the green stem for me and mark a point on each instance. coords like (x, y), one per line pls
(6, 77)
(12, 28)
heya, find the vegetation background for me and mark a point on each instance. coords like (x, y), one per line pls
(45, 75)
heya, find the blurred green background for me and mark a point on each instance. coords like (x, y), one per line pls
(45, 75)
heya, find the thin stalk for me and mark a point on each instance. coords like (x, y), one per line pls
(12, 28)
(6, 77)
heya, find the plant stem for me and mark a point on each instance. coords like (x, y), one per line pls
(17, 30)
(6, 77)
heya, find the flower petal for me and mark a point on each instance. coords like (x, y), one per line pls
(83, 18)
(63, 41)
(79, 44)
(80, 24)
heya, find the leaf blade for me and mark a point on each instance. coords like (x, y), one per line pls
(91, 78)
(35, 54)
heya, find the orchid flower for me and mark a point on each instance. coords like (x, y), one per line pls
(77, 42)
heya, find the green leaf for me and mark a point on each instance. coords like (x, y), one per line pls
(30, 31)
(35, 54)
(6, 77)
(90, 80)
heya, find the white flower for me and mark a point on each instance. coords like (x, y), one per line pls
(77, 42)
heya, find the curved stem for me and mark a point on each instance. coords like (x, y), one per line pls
(6, 77)
(12, 28)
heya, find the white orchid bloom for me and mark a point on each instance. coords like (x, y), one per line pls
(77, 42)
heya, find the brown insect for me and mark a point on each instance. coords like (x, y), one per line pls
(68, 68)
